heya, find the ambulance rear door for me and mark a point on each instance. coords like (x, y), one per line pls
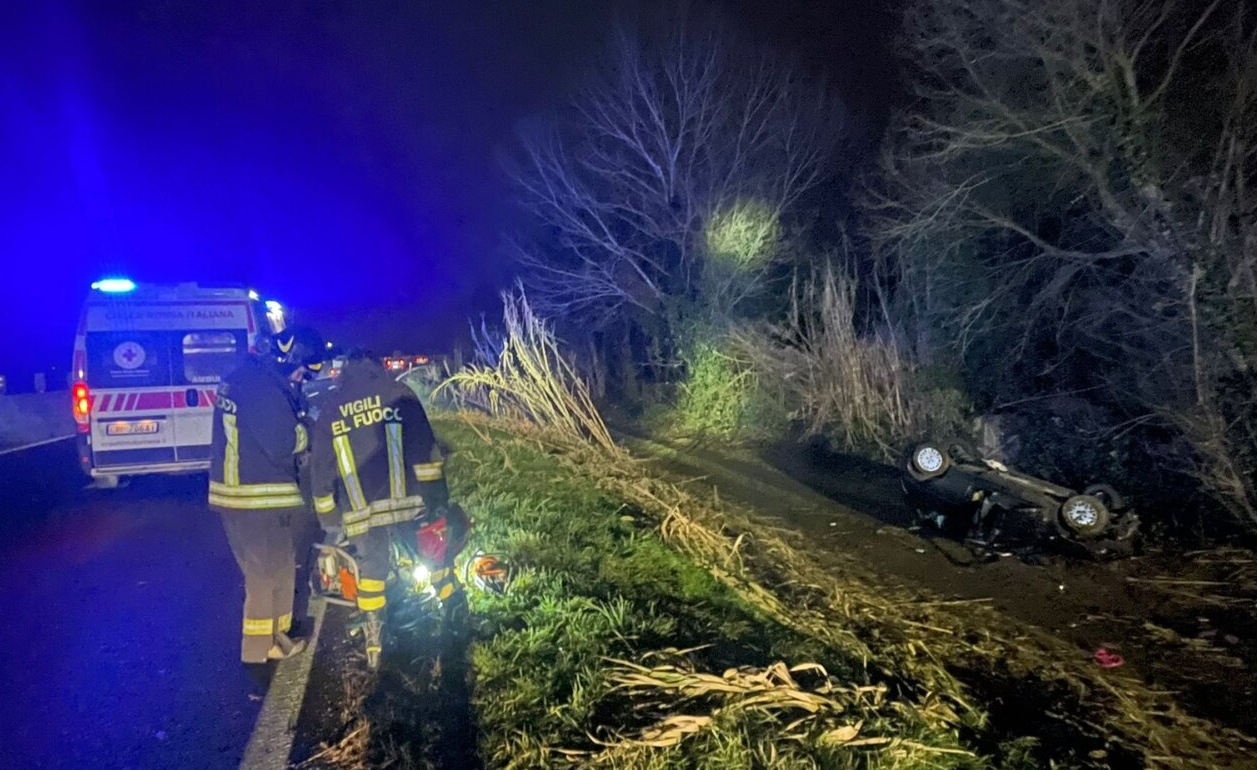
(129, 371)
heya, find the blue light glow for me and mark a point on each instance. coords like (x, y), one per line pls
(114, 285)
(273, 306)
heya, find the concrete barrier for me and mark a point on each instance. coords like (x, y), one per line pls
(34, 418)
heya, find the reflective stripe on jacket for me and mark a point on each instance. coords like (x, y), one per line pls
(373, 457)
(257, 435)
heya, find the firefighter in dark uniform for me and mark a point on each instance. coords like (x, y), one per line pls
(375, 463)
(254, 484)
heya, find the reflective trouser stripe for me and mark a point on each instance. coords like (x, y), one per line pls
(231, 454)
(259, 627)
(267, 627)
(370, 594)
(349, 472)
(396, 468)
(427, 471)
(325, 504)
(370, 603)
(445, 582)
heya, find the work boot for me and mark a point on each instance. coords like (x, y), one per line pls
(372, 628)
(284, 647)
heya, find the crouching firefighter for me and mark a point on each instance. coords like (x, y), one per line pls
(258, 439)
(375, 463)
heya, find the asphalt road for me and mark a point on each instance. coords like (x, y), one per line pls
(120, 646)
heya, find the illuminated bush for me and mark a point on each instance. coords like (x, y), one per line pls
(723, 396)
(744, 234)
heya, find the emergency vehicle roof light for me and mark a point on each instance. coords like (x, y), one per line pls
(273, 306)
(253, 294)
(114, 285)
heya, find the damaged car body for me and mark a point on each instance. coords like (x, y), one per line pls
(997, 510)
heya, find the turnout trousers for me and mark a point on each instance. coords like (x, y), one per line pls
(374, 562)
(262, 542)
(373, 552)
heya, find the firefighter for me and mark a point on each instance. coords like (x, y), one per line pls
(258, 441)
(375, 463)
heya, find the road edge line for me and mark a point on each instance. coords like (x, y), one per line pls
(24, 447)
(271, 742)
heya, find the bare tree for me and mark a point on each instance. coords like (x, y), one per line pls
(664, 187)
(1054, 191)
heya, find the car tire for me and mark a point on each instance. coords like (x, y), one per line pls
(1108, 495)
(1084, 516)
(927, 461)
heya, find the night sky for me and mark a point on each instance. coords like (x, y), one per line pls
(340, 156)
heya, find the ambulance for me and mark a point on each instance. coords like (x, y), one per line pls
(147, 361)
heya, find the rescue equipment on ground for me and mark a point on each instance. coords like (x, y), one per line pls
(488, 572)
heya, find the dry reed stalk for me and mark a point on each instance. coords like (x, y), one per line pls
(767, 695)
(531, 382)
(838, 378)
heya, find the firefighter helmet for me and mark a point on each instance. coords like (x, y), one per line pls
(300, 346)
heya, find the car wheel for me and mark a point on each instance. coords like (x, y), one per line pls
(928, 461)
(1107, 495)
(1085, 515)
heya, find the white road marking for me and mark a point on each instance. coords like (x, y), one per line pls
(37, 443)
(271, 742)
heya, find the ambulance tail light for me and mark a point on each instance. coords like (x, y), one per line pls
(82, 396)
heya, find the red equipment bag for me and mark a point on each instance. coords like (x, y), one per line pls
(444, 537)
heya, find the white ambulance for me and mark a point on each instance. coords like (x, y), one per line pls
(147, 361)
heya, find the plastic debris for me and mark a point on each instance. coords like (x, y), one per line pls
(1107, 658)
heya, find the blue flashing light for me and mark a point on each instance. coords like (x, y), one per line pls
(273, 306)
(253, 294)
(114, 285)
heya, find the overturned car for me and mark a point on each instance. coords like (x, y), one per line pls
(997, 510)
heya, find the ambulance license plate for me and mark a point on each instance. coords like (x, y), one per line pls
(129, 428)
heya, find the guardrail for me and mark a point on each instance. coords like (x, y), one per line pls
(30, 419)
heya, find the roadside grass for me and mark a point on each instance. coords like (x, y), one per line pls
(613, 648)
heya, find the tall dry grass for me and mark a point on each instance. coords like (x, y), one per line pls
(531, 381)
(862, 390)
